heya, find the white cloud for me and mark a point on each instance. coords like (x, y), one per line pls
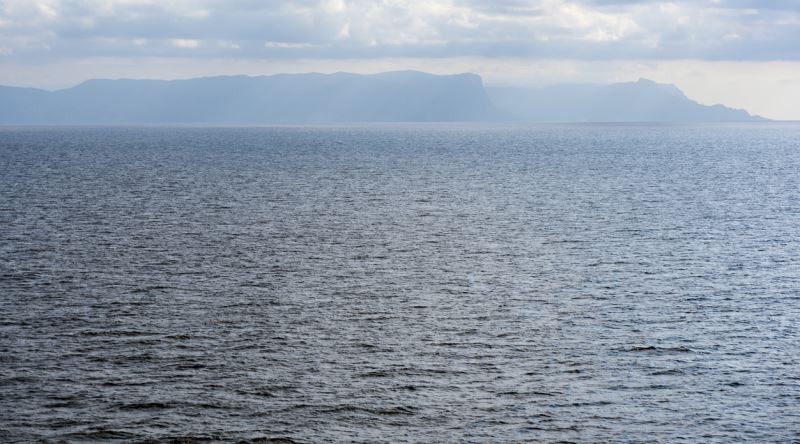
(345, 32)
(334, 6)
(228, 44)
(285, 45)
(185, 43)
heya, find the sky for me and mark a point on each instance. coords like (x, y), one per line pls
(742, 53)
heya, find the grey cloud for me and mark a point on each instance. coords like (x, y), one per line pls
(588, 29)
(748, 4)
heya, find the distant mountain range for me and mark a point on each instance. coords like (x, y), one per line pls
(642, 101)
(405, 96)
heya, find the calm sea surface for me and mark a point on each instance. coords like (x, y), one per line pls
(409, 283)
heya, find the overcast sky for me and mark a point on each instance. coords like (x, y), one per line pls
(744, 53)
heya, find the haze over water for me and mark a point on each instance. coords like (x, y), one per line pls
(403, 283)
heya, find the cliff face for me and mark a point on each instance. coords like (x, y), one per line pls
(302, 98)
(642, 101)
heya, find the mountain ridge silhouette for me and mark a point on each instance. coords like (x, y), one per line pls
(396, 96)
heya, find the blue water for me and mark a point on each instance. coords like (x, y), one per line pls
(406, 283)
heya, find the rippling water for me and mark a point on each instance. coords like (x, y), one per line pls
(400, 283)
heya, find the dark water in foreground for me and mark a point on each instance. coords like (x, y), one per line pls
(401, 283)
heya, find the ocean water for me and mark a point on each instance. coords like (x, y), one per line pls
(400, 283)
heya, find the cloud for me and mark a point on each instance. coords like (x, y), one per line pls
(184, 43)
(587, 29)
(331, 29)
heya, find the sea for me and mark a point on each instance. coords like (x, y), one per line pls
(399, 283)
